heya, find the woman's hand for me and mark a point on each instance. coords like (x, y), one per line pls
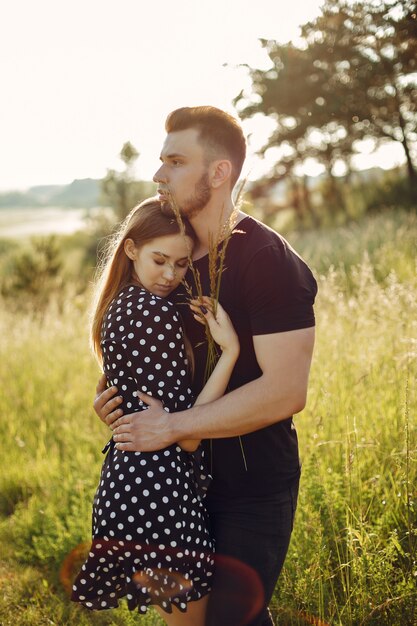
(221, 328)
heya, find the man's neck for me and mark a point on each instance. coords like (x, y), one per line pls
(212, 223)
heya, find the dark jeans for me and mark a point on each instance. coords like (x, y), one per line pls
(252, 535)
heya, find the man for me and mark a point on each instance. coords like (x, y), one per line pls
(268, 292)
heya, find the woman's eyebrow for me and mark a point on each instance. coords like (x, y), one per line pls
(166, 255)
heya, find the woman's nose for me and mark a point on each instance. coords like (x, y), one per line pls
(169, 272)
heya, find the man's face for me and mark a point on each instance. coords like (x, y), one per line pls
(183, 173)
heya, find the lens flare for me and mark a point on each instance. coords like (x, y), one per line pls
(238, 595)
(300, 617)
(161, 583)
(72, 564)
(312, 619)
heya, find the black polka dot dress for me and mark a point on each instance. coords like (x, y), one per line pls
(150, 538)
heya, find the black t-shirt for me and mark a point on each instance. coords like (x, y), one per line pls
(265, 288)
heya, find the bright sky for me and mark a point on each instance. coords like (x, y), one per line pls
(80, 78)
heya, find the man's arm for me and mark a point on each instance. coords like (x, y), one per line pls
(281, 391)
(106, 402)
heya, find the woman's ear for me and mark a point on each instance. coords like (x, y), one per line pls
(221, 172)
(130, 249)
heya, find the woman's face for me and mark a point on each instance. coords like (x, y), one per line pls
(161, 264)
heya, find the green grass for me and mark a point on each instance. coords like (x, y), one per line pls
(352, 558)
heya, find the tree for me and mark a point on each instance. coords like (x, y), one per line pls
(292, 93)
(371, 46)
(33, 277)
(120, 190)
(355, 77)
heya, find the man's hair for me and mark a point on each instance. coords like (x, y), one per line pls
(219, 132)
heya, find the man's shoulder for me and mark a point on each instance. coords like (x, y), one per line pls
(252, 236)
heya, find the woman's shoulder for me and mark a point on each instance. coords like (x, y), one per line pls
(135, 299)
(135, 307)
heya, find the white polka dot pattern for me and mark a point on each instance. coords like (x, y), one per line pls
(150, 538)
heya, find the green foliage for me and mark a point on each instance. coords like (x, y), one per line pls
(119, 189)
(353, 552)
(6, 246)
(34, 275)
(392, 191)
(89, 243)
(353, 78)
(128, 154)
(385, 242)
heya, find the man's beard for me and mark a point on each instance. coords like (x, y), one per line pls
(195, 203)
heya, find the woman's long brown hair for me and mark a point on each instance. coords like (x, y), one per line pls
(115, 270)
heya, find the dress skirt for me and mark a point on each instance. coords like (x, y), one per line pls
(150, 539)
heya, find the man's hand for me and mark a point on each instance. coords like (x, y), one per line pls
(144, 431)
(105, 404)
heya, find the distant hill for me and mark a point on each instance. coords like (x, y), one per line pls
(44, 192)
(80, 193)
(19, 199)
(83, 193)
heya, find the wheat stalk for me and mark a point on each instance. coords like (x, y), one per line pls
(216, 257)
(216, 254)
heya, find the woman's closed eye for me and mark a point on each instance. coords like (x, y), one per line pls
(181, 264)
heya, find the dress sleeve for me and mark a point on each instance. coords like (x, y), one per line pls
(155, 355)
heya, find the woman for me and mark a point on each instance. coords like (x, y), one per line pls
(150, 538)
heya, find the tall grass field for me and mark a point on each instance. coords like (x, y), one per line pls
(352, 559)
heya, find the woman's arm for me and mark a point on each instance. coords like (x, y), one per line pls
(223, 333)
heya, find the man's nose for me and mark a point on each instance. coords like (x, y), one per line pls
(158, 176)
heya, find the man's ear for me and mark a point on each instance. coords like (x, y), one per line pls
(130, 249)
(221, 172)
